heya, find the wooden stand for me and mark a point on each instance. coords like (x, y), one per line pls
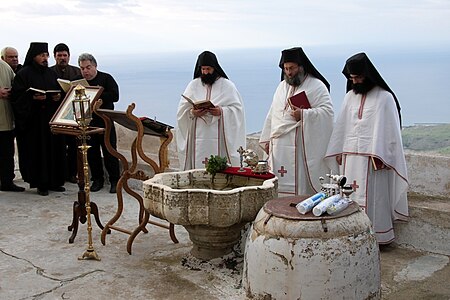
(130, 121)
(79, 206)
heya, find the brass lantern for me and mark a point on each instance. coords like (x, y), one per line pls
(83, 116)
(81, 107)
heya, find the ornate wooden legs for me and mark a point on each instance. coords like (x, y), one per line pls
(79, 207)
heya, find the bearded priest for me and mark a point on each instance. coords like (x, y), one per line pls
(295, 138)
(215, 129)
(367, 144)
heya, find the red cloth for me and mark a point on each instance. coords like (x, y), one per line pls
(247, 173)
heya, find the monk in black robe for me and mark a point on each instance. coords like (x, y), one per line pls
(41, 154)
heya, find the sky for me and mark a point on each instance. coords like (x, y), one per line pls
(132, 27)
(400, 37)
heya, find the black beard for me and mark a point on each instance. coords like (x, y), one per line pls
(209, 78)
(297, 79)
(362, 88)
(294, 81)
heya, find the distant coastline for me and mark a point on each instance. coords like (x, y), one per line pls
(426, 137)
(433, 138)
(156, 81)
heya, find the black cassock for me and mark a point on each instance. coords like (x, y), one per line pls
(41, 154)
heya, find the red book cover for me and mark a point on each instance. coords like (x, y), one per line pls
(300, 100)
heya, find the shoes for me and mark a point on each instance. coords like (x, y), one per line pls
(113, 188)
(42, 192)
(58, 189)
(385, 247)
(72, 179)
(12, 188)
(96, 186)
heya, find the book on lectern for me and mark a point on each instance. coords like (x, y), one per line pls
(203, 104)
(300, 100)
(151, 126)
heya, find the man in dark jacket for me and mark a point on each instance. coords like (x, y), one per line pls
(66, 71)
(110, 94)
(41, 154)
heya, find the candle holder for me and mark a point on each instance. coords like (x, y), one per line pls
(347, 190)
(241, 152)
(83, 116)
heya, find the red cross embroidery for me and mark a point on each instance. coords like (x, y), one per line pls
(282, 171)
(205, 161)
(354, 185)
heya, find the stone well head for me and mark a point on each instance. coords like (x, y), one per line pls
(213, 212)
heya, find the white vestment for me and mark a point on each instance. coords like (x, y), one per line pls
(199, 138)
(297, 149)
(366, 129)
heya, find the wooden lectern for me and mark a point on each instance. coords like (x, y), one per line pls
(142, 126)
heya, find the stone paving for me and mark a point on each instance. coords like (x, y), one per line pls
(38, 262)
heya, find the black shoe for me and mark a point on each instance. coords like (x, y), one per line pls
(96, 186)
(12, 188)
(42, 192)
(58, 189)
(113, 188)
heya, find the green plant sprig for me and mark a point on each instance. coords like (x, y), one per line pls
(216, 164)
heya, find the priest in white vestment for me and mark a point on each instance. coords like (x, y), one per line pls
(296, 139)
(213, 131)
(367, 143)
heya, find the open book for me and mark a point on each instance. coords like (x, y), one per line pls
(67, 84)
(32, 89)
(152, 126)
(204, 104)
(300, 100)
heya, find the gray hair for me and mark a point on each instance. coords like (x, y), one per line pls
(87, 56)
(3, 53)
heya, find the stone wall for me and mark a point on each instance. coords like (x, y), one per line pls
(428, 174)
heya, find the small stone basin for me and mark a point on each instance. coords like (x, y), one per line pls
(212, 213)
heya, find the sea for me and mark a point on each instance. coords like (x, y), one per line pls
(154, 82)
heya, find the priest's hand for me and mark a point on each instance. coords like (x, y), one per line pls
(56, 97)
(266, 147)
(378, 164)
(198, 112)
(4, 92)
(39, 97)
(297, 113)
(216, 111)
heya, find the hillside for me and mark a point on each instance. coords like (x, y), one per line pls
(419, 138)
(427, 138)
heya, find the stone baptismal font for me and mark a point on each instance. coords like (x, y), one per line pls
(213, 212)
